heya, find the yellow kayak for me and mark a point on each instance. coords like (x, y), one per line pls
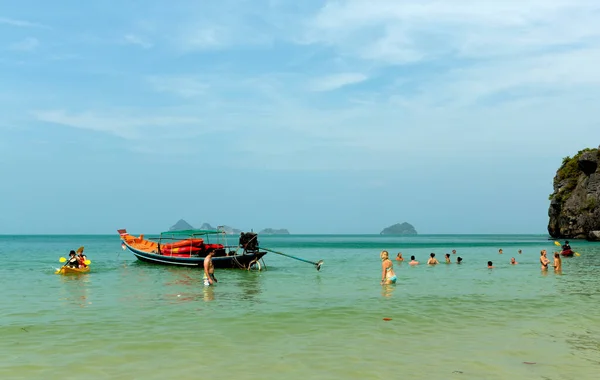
(69, 270)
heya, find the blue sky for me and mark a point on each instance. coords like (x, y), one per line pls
(316, 116)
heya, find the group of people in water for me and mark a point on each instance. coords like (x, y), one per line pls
(388, 276)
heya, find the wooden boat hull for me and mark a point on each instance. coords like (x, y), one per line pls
(69, 270)
(567, 253)
(221, 262)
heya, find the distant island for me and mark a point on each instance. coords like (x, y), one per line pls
(183, 225)
(574, 211)
(274, 231)
(399, 229)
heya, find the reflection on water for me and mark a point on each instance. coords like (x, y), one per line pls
(388, 290)
(250, 286)
(76, 288)
(208, 293)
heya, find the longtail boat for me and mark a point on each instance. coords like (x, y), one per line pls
(190, 247)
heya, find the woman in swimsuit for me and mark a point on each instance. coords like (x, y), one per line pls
(544, 260)
(387, 269)
(557, 262)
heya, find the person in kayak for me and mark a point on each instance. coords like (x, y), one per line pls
(566, 246)
(73, 262)
(209, 269)
(81, 258)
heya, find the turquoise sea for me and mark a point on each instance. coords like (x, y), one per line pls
(131, 320)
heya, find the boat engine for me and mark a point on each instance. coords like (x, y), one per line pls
(249, 241)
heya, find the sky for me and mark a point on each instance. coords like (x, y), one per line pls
(323, 116)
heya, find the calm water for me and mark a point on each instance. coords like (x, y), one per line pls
(130, 320)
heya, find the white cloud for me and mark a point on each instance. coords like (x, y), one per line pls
(130, 125)
(395, 32)
(136, 40)
(333, 82)
(27, 45)
(21, 23)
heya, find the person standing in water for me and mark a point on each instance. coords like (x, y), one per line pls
(209, 269)
(544, 260)
(399, 257)
(557, 262)
(513, 261)
(448, 258)
(387, 269)
(432, 260)
(413, 261)
(459, 260)
(490, 265)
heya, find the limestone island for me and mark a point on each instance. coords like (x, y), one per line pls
(183, 225)
(399, 229)
(274, 231)
(574, 211)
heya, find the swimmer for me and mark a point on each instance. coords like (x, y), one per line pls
(454, 251)
(448, 258)
(544, 260)
(490, 265)
(520, 252)
(432, 260)
(399, 257)
(459, 260)
(500, 251)
(413, 261)
(387, 269)
(513, 261)
(557, 262)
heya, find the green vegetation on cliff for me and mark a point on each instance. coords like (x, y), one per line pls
(567, 176)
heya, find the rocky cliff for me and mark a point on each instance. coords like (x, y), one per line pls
(575, 203)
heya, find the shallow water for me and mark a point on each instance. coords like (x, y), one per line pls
(130, 320)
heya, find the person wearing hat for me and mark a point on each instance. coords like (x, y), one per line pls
(81, 258)
(73, 262)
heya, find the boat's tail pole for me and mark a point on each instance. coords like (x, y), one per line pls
(317, 264)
